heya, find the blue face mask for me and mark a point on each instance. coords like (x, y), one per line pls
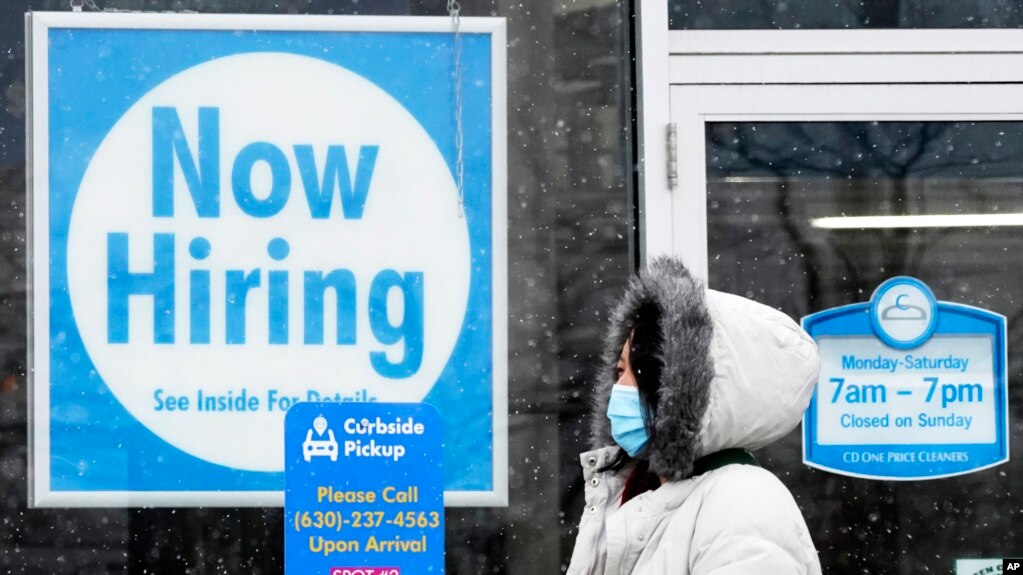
(626, 415)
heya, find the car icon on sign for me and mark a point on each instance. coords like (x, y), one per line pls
(326, 446)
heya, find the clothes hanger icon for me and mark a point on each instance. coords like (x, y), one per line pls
(901, 311)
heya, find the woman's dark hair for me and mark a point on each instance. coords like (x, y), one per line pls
(647, 365)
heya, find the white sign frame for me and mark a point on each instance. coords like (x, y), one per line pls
(37, 24)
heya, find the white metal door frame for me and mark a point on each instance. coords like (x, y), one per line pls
(654, 113)
(798, 75)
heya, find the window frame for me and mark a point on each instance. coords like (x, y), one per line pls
(796, 75)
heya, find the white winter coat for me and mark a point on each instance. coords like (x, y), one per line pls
(745, 373)
(738, 519)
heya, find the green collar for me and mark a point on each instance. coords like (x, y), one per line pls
(722, 458)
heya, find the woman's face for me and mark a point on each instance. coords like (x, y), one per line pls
(625, 375)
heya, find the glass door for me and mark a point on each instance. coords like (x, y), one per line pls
(807, 193)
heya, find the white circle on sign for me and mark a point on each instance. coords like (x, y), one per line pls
(410, 225)
(903, 312)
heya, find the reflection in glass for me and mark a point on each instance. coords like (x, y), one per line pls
(569, 173)
(808, 216)
(813, 14)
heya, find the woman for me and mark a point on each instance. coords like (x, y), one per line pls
(693, 378)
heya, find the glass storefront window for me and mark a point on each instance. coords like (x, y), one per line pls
(809, 14)
(569, 231)
(776, 192)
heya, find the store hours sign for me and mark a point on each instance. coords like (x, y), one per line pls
(234, 214)
(910, 387)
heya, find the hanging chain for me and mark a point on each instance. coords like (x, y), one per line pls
(454, 10)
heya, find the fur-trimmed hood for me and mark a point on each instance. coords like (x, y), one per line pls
(735, 373)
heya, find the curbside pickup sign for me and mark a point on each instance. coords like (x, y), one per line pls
(363, 490)
(234, 214)
(910, 387)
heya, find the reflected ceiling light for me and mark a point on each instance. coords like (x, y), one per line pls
(932, 221)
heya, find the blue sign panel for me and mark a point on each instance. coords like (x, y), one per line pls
(278, 210)
(363, 489)
(910, 387)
